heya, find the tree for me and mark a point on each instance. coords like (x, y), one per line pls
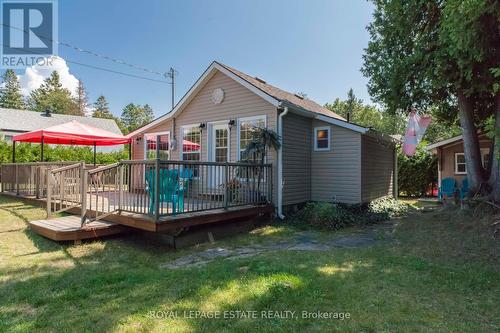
(442, 54)
(135, 116)
(101, 108)
(51, 95)
(11, 97)
(81, 100)
(367, 115)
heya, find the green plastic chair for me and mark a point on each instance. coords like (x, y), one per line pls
(447, 188)
(465, 188)
(169, 191)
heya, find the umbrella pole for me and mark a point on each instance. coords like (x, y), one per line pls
(41, 154)
(94, 152)
(130, 151)
(13, 151)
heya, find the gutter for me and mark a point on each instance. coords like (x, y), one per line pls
(280, 163)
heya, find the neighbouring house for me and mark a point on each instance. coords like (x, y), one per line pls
(323, 157)
(451, 160)
(14, 122)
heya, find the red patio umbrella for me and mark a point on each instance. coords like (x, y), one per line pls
(71, 133)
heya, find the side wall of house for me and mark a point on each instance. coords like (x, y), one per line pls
(377, 168)
(239, 102)
(336, 174)
(447, 159)
(297, 149)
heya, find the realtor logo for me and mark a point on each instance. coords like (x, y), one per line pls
(29, 31)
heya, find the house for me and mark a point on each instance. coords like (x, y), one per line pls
(451, 160)
(323, 157)
(14, 122)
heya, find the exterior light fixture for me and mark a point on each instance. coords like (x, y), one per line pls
(231, 123)
(202, 125)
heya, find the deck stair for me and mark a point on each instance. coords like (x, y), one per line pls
(68, 228)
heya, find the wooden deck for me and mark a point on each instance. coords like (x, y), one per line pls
(68, 228)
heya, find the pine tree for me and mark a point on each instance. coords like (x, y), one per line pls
(51, 95)
(81, 100)
(101, 108)
(11, 97)
(135, 116)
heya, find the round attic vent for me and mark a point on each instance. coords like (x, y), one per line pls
(218, 96)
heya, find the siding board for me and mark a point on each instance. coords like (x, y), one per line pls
(336, 174)
(377, 169)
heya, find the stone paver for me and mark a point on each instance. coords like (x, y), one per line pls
(301, 241)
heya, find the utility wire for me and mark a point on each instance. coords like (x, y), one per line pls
(76, 48)
(107, 70)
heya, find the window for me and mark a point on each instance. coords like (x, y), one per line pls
(322, 138)
(461, 167)
(191, 145)
(246, 128)
(8, 138)
(150, 142)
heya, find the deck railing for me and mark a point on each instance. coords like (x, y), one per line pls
(188, 186)
(66, 188)
(156, 188)
(27, 179)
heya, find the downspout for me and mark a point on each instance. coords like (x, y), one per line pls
(280, 164)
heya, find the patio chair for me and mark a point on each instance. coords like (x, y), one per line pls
(169, 190)
(465, 188)
(447, 188)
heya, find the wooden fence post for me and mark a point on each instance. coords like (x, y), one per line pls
(49, 194)
(83, 193)
(157, 189)
(226, 185)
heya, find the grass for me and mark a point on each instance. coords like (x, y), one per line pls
(442, 275)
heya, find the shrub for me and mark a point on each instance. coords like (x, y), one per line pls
(336, 216)
(416, 173)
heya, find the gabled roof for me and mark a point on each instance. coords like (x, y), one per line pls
(26, 121)
(284, 96)
(444, 142)
(272, 94)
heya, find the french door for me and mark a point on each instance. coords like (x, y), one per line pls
(219, 152)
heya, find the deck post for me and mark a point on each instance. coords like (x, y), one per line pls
(226, 187)
(49, 194)
(120, 187)
(37, 181)
(83, 193)
(157, 189)
(17, 179)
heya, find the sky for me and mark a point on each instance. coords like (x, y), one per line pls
(310, 46)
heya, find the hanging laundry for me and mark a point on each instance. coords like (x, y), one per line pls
(414, 132)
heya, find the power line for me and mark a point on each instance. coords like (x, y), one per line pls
(108, 70)
(95, 54)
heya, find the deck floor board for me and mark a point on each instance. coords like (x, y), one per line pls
(67, 228)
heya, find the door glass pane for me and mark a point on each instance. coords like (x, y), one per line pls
(221, 145)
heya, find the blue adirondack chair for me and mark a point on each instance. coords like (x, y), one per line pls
(465, 188)
(447, 188)
(169, 190)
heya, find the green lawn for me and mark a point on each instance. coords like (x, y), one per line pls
(443, 274)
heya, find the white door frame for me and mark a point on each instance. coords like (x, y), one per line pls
(210, 139)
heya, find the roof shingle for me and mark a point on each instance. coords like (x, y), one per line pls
(284, 96)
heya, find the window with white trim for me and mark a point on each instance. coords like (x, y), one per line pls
(322, 138)
(246, 128)
(151, 141)
(461, 167)
(191, 145)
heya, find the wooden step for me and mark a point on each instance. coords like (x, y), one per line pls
(68, 228)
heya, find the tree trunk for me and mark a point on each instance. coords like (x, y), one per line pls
(472, 153)
(494, 180)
